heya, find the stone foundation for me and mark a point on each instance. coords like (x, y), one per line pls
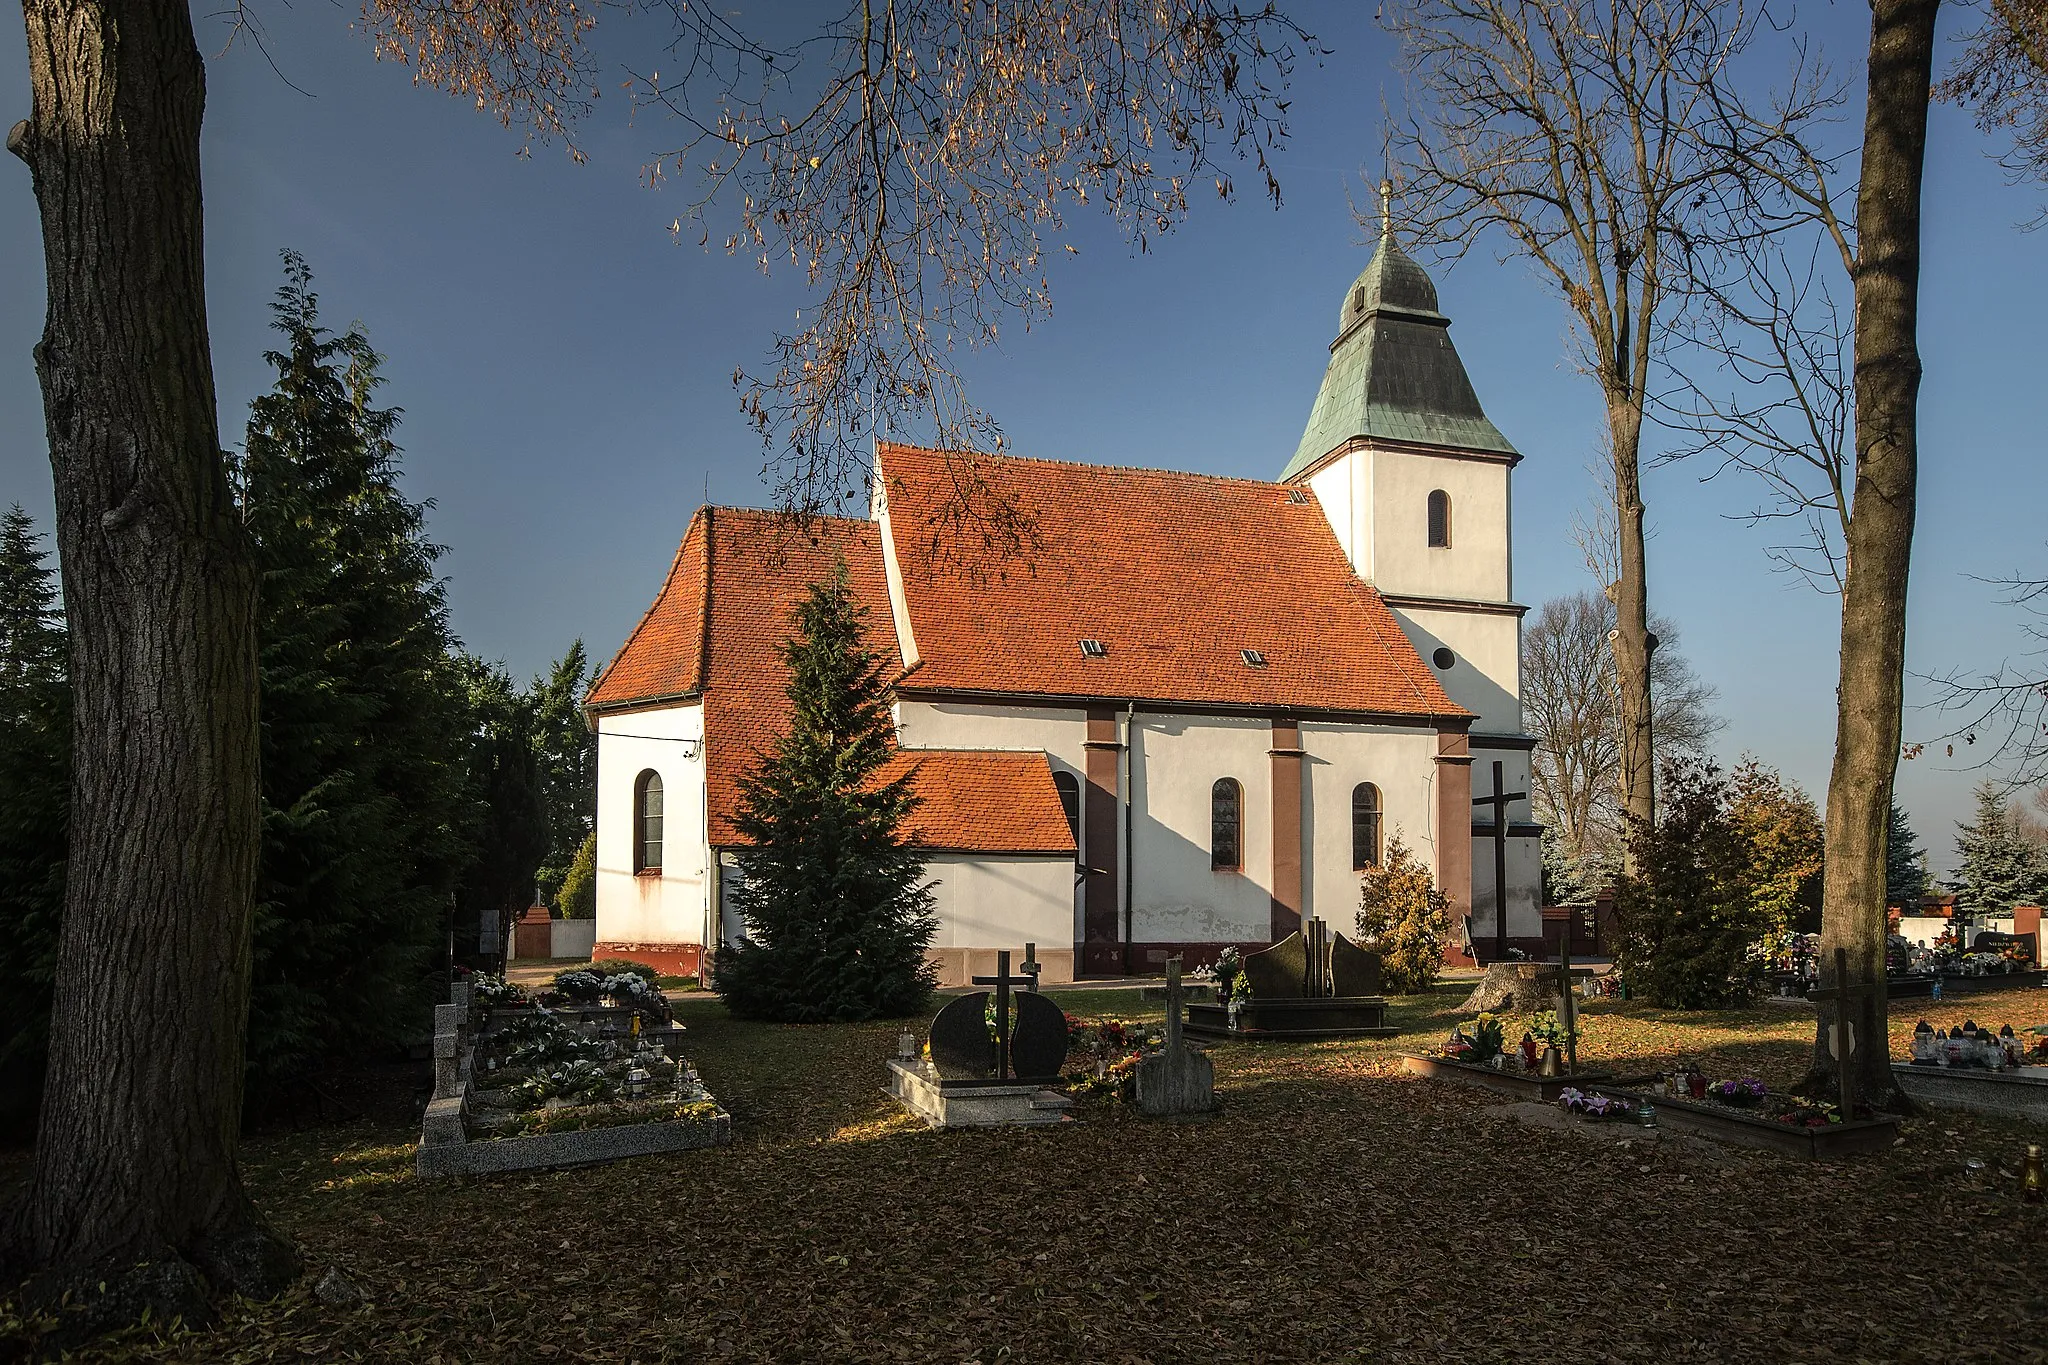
(969, 1104)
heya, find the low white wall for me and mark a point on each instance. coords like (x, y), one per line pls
(572, 937)
(1922, 930)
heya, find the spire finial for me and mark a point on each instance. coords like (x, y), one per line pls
(1386, 208)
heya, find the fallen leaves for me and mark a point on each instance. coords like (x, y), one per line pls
(1337, 1210)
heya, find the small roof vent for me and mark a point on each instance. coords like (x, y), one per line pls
(1094, 649)
(1253, 657)
(1298, 496)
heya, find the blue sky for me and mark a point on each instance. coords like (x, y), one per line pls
(565, 367)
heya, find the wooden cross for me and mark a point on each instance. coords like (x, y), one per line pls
(1846, 996)
(1175, 994)
(1002, 981)
(1568, 1005)
(1499, 801)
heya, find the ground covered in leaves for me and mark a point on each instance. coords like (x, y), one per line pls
(1338, 1210)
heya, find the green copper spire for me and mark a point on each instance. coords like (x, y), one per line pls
(1393, 371)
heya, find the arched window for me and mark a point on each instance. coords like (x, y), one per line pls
(1226, 824)
(1439, 519)
(1365, 826)
(647, 822)
(1069, 788)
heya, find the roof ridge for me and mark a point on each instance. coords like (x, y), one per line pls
(1081, 464)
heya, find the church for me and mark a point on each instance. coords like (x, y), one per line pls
(1183, 714)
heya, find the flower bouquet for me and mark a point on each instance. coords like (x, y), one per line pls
(1487, 1039)
(1594, 1107)
(1746, 1093)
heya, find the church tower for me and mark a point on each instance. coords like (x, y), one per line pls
(1415, 482)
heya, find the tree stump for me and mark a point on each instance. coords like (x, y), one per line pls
(1517, 988)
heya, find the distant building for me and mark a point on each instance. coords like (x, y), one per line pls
(1184, 718)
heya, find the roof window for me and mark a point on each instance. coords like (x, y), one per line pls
(1253, 657)
(1298, 496)
(1094, 649)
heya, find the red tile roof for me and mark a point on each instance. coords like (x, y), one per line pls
(664, 656)
(986, 800)
(757, 567)
(1175, 573)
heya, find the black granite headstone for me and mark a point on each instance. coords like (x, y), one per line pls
(1038, 1042)
(1276, 973)
(962, 1047)
(1353, 970)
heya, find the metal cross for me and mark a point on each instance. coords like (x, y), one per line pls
(1846, 997)
(1002, 981)
(1499, 801)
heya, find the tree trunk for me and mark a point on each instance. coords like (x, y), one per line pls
(135, 1153)
(1880, 536)
(1631, 594)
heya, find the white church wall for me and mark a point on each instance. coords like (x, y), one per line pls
(1059, 733)
(1475, 564)
(1402, 764)
(645, 908)
(991, 901)
(1344, 488)
(1485, 676)
(1177, 897)
(1525, 885)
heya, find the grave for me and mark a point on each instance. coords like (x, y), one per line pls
(1981, 1072)
(1179, 1078)
(1311, 984)
(456, 1136)
(976, 1076)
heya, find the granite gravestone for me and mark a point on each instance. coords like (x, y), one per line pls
(1028, 1040)
(1311, 984)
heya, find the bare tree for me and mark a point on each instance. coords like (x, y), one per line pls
(1572, 132)
(2003, 75)
(913, 158)
(1780, 405)
(1779, 193)
(1569, 705)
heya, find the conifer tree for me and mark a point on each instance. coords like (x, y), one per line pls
(1998, 867)
(1905, 865)
(508, 829)
(364, 718)
(35, 778)
(837, 912)
(567, 752)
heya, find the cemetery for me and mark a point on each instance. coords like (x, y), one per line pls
(519, 1086)
(839, 1223)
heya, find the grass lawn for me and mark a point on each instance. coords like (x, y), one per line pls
(1338, 1210)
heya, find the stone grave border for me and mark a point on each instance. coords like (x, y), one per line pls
(446, 1148)
(1522, 1085)
(1980, 1092)
(1741, 1130)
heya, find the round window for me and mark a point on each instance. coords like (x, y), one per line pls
(1443, 658)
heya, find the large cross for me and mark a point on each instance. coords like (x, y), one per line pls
(1499, 801)
(1174, 996)
(1846, 997)
(1002, 981)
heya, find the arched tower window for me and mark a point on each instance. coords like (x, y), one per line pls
(1365, 826)
(647, 822)
(1069, 788)
(1226, 825)
(1439, 519)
